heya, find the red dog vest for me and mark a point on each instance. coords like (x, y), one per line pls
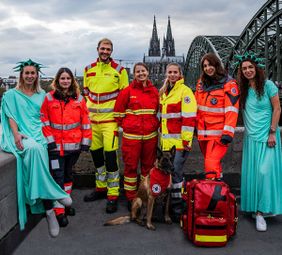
(159, 181)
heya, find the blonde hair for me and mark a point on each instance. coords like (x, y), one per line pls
(36, 86)
(163, 89)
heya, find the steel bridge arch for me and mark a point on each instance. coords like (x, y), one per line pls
(263, 35)
(219, 45)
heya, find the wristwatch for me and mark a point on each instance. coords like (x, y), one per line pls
(272, 130)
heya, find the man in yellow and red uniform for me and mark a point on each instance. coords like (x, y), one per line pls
(216, 120)
(103, 80)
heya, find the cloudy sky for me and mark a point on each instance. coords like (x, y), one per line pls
(65, 32)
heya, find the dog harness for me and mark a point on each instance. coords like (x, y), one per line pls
(159, 181)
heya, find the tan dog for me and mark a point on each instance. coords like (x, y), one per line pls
(148, 192)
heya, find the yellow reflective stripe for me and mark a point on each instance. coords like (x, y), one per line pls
(139, 137)
(128, 187)
(203, 238)
(119, 114)
(141, 111)
(129, 179)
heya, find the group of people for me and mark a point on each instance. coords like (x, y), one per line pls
(47, 132)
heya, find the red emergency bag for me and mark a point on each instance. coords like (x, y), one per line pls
(211, 215)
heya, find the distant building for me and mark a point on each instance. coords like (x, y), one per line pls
(158, 59)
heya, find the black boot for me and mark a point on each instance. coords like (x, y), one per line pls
(70, 211)
(111, 206)
(176, 209)
(129, 205)
(95, 195)
(62, 220)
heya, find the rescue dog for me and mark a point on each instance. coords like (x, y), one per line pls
(147, 193)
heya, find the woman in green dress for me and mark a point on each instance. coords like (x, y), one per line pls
(22, 135)
(261, 179)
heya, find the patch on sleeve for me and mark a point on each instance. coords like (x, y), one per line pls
(234, 91)
(156, 188)
(187, 100)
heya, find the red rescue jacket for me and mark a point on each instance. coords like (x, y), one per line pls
(136, 111)
(66, 124)
(218, 107)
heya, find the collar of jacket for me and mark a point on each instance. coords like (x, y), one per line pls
(138, 84)
(217, 84)
(99, 62)
(60, 96)
(176, 85)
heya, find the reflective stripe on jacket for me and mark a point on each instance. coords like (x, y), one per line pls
(178, 115)
(218, 107)
(66, 123)
(136, 111)
(102, 84)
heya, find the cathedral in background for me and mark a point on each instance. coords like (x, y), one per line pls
(158, 57)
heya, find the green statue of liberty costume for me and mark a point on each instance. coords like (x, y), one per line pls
(34, 182)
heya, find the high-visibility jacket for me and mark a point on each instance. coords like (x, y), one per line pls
(65, 123)
(178, 115)
(136, 111)
(218, 107)
(102, 84)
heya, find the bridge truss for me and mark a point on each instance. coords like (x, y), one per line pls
(263, 34)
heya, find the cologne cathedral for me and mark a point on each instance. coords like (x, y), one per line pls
(158, 58)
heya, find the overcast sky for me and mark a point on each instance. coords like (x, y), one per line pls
(60, 33)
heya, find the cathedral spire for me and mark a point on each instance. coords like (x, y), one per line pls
(154, 49)
(170, 49)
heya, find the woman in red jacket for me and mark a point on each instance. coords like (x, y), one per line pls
(217, 96)
(66, 127)
(136, 112)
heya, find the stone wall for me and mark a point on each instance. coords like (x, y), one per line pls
(231, 162)
(8, 193)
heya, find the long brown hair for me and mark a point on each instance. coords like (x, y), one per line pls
(244, 82)
(220, 72)
(74, 87)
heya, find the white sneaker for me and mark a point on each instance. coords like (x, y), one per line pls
(260, 223)
(67, 201)
(53, 225)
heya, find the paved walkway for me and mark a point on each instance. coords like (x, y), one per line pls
(86, 235)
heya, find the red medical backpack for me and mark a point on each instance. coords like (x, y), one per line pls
(211, 213)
